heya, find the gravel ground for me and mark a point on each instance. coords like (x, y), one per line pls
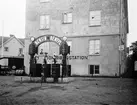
(81, 91)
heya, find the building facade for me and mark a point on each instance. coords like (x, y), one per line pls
(96, 31)
(11, 48)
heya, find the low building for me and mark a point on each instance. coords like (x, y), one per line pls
(12, 51)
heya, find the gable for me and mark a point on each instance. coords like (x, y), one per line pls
(13, 42)
(8, 39)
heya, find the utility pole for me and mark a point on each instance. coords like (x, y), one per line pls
(2, 38)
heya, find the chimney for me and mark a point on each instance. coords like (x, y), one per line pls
(11, 35)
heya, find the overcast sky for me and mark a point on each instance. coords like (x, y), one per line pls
(13, 14)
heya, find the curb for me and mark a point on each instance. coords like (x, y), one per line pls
(38, 79)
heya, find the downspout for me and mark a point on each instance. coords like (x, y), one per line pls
(120, 28)
(2, 38)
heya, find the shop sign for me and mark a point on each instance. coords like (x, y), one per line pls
(47, 38)
(69, 57)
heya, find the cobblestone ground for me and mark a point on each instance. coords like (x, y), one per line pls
(81, 91)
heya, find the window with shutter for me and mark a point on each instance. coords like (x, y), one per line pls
(67, 17)
(95, 18)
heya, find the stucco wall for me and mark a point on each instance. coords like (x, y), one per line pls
(110, 14)
(108, 58)
(108, 31)
(13, 46)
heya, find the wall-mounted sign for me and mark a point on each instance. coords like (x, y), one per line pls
(121, 47)
(48, 38)
(68, 57)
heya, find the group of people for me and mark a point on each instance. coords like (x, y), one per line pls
(45, 59)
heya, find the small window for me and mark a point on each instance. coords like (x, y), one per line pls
(95, 18)
(20, 50)
(44, 22)
(6, 49)
(42, 1)
(70, 44)
(67, 17)
(94, 69)
(94, 47)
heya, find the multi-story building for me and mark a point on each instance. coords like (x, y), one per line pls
(96, 31)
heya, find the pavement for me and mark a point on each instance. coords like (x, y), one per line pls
(80, 91)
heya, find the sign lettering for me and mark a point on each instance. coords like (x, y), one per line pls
(68, 57)
(42, 39)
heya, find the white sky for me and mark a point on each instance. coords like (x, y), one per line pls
(13, 14)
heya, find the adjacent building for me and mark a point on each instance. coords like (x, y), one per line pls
(96, 31)
(11, 51)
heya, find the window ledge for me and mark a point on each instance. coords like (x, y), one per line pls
(95, 55)
(94, 25)
(44, 28)
(67, 23)
(44, 1)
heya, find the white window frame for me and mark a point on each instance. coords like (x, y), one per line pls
(94, 18)
(67, 17)
(94, 69)
(45, 22)
(44, 1)
(94, 47)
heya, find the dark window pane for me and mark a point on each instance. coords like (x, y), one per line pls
(96, 69)
(6, 48)
(91, 69)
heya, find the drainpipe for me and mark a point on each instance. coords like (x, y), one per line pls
(120, 33)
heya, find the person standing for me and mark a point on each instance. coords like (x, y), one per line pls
(54, 59)
(44, 66)
(41, 52)
(45, 58)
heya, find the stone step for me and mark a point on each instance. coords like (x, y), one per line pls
(38, 79)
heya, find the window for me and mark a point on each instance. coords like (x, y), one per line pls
(42, 1)
(94, 69)
(95, 18)
(44, 22)
(6, 49)
(67, 17)
(94, 47)
(20, 50)
(70, 44)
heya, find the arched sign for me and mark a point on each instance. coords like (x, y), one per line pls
(47, 38)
